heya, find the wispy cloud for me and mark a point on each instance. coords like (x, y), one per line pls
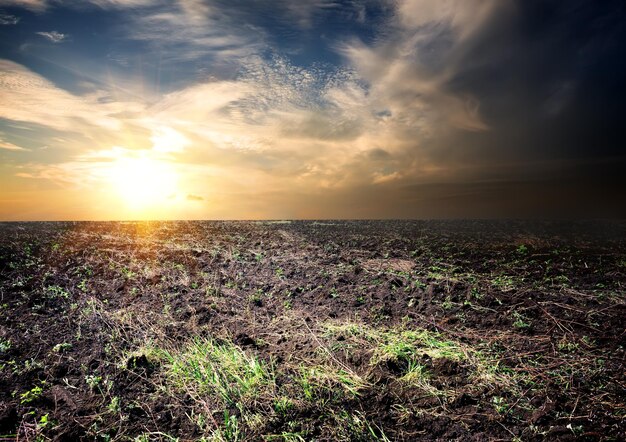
(124, 3)
(33, 5)
(462, 16)
(53, 36)
(192, 29)
(8, 19)
(26, 96)
(304, 12)
(9, 146)
(42, 5)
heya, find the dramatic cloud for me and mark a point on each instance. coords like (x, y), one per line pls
(325, 108)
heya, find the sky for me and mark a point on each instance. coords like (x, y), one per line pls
(312, 109)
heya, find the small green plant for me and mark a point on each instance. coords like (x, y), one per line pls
(210, 291)
(437, 272)
(5, 345)
(82, 285)
(32, 364)
(282, 405)
(231, 432)
(32, 395)
(128, 273)
(62, 347)
(522, 249)
(379, 313)
(54, 291)
(476, 294)
(521, 321)
(256, 297)
(305, 381)
(503, 282)
(93, 381)
(114, 405)
(44, 421)
(500, 405)
(419, 284)
(567, 346)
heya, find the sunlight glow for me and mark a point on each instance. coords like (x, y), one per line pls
(143, 181)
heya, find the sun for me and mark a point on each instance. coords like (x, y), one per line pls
(143, 181)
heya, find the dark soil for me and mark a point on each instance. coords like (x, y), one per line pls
(543, 305)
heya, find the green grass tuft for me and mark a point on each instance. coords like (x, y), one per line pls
(206, 366)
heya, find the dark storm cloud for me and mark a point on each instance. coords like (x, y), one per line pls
(549, 79)
(546, 79)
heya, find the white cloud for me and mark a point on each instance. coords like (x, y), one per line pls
(464, 16)
(192, 29)
(408, 70)
(53, 36)
(28, 97)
